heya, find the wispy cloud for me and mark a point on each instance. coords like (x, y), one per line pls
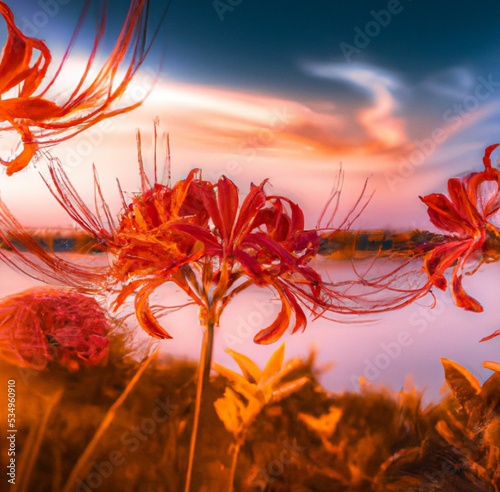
(258, 135)
(229, 121)
(378, 118)
(451, 82)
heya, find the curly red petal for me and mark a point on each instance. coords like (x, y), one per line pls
(17, 66)
(41, 122)
(467, 213)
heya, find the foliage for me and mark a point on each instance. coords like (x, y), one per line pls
(247, 395)
(306, 439)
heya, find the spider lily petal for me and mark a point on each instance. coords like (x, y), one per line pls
(462, 299)
(441, 258)
(489, 337)
(289, 307)
(464, 205)
(143, 310)
(281, 323)
(250, 207)
(16, 65)
(468, 216)
(222, 207)
(445, 214)
(41, 122)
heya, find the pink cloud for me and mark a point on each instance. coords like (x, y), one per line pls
(377, 118)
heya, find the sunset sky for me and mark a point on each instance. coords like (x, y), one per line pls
(404, 93)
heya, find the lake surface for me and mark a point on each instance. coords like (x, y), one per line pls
(384, 350)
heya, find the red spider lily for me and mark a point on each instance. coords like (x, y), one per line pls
(197, 235)
(261, 242)
(467, 214)
(44, 325)
(41, 122)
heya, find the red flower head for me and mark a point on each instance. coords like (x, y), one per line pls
(261, 242)
(469, 215)
(41, 122)
(197, 235)
(45, 325)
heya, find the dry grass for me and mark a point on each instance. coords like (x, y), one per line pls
(311, 440)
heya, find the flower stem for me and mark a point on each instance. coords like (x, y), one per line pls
(83, 461)
(234, 462)
(34, 443)
(203, 377)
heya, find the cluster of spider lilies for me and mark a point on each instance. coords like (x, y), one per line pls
(198, 236)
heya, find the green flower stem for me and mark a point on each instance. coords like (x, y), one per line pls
(203, 377)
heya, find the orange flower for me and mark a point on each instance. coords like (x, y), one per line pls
(41, 122)
(469, 215)
(44, 325)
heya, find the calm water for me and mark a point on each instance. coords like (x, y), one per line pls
(408, 342)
